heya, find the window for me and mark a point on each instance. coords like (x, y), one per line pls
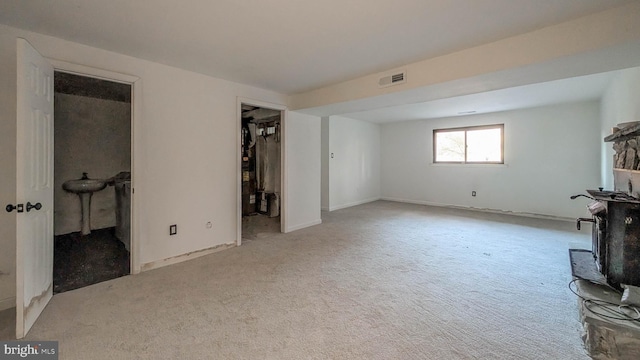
(469, 145)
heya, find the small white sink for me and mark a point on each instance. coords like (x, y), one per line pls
(80, 186)
(85, 187)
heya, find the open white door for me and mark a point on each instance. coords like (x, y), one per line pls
(34, 187)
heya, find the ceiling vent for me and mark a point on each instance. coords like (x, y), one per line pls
(395, 79)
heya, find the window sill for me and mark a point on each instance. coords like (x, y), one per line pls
(468, 165)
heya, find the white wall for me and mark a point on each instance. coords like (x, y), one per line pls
(185, 143)
(302, 144)
(8, 166)
(324, 161)
(551, 153)
(620, 103)
(354, 169)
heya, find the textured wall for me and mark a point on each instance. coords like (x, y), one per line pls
(93, 136)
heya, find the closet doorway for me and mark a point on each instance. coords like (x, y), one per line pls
(261, 171)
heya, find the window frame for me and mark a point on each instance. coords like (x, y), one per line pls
(466, 129)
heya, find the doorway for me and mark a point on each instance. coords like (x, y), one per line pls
(92, 143)
(35, 178)
(261, 171)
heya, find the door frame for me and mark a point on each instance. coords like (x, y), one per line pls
(283, 161)
(136, 114)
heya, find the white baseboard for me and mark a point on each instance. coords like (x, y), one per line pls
(7, 303)
(355, 203)
(302, 226)
(406, 201)
(493, 211)
(184, 257)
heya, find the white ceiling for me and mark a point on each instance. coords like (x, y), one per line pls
(582, 88)
(291, 46)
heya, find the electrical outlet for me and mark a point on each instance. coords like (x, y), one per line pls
(173, 229)
(209, 225)
(473, 193)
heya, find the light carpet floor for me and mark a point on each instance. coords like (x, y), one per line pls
(377, 281)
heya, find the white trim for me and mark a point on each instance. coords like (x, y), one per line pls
(305, 225)
(284, 113)
(469, 164)
(136, 133)
(486, 210)
(7, 303)
(185, 257)
(136, 117)
(83, 70)
(355, 203)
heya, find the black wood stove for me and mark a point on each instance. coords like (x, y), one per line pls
(615, 235)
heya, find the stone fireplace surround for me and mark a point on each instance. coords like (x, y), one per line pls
(626, 160)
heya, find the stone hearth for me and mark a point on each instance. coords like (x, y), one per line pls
(606, 338)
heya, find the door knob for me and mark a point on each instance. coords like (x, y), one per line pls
(18, 207)
(30, 206)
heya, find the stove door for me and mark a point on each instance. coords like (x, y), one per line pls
(623, 244)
